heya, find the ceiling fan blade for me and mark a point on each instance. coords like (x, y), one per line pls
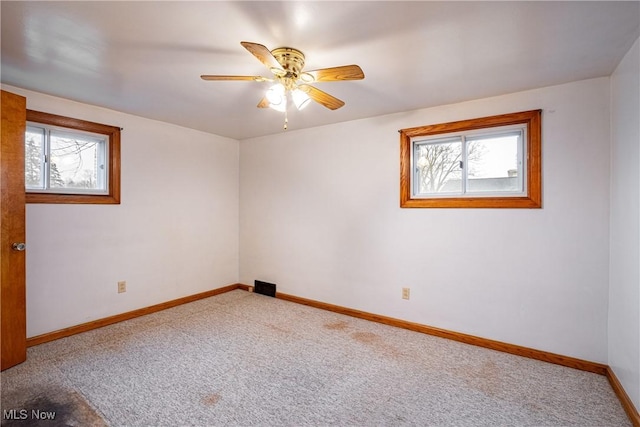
(265, 56)
(331, 102)
(248, 78)
(264, 103)
(345, 72)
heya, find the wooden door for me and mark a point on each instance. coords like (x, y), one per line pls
(13, 316)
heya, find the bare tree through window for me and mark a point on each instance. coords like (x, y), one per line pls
(77, 162)
(67, 163)
(440, 165)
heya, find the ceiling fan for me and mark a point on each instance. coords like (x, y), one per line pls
(286, 64)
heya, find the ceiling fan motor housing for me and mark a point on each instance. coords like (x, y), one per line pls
(292, 60)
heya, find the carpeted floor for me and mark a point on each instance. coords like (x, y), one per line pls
(249, 360)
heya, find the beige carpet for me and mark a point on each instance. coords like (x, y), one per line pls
(244, 359)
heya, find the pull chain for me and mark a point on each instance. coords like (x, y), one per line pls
(286, 120)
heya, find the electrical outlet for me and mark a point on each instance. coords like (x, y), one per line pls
(122, 287)
(405, 293)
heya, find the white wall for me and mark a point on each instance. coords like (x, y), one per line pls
(320, 216)
(174, 234)
(624, 287)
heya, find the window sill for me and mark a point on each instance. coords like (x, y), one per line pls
(472, 202)
(94, 199)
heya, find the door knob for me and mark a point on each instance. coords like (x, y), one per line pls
(19, 246)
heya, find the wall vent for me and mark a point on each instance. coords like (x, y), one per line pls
(264, 288)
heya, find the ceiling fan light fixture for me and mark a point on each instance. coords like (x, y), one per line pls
(282, 106)
(300, 99)
(277, 97)
(276, 94)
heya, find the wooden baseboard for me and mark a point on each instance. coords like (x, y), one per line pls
(84, 327)
(625, 400)
(531, 353)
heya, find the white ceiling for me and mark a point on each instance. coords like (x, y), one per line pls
(146, 58)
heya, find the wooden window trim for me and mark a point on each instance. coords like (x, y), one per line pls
(533, 199)
(113, 132)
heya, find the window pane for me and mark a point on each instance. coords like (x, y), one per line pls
(77, 162)
(34, 158)
(494, 165)
(438, 167)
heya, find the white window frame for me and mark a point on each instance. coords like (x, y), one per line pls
(103, 153)
(462, 137)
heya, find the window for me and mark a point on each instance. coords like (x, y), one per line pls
(71, 161)
(491, 162)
